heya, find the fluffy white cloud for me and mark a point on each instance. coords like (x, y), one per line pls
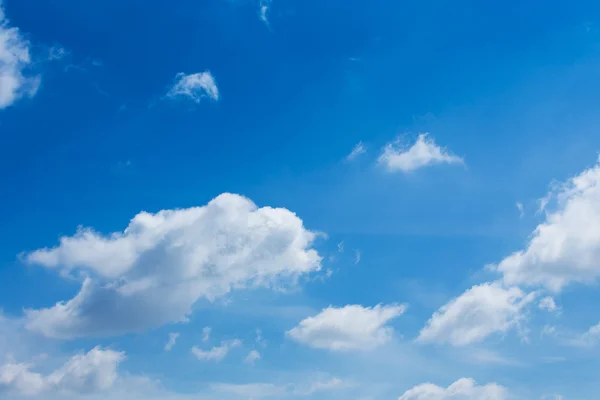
(194, 86)
(172, 340)
(423, 153)
(547, 303)
(564, 248)
(14, 60)
(462, 389)
(161, 264)
(217, 353)
(347, 328)
(477, 313)
(356, 151)
(84, 373)
(252, 357)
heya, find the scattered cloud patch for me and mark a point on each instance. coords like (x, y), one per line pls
(340, 247)
(356, 257)
(463, 389)
(194, 87)
(589, 338)
(565, 248)
(56, 53)
(206, 333)
(15, 59)
(356, 151)
(547, 304)
(352, 327)
(259, 338)
(548, 330)
(172, 340)
(83, 373)
(252, 357)
(269, 390)
(423, 153)
(153, 272)
(263, 13)
(477, 313)
(217, 353)
(521, 211)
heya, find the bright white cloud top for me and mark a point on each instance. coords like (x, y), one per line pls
(194, 87)
(161, 264)
(477, 313)
(565, 248)
(423, 153)
(462, 389)
(352, 327)
(83, 373)
(15, 59)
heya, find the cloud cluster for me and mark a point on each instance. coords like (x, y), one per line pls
(477, 313)
(423, 153)
(194, 87)
(161, 264)
(462, 389)
(347, 328)
(14, 60)
(83, 373)
(565, 248)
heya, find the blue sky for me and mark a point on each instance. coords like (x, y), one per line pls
(254, 199)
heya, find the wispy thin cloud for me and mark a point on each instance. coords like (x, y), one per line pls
(172, 340)
(520, 208)
(358, 149)
(217, 353)
(263, 13)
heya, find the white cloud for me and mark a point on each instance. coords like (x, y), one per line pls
(161, 264)
(521, 211)
(83, 373)
(347, 328)
(321, 386)
(477, 313)
(423, 153)
(553, 397)
(356, 257)
(589, 338)
(194, 86)
(356, 151)
(252, 357)
(548, 330)
(172, 340)
(341, 247)
(264, 10)
(462, 389)
(565, 248)
(14, 60)
(217, 353)
(547, 303)
(206, 333)
(259, 339)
